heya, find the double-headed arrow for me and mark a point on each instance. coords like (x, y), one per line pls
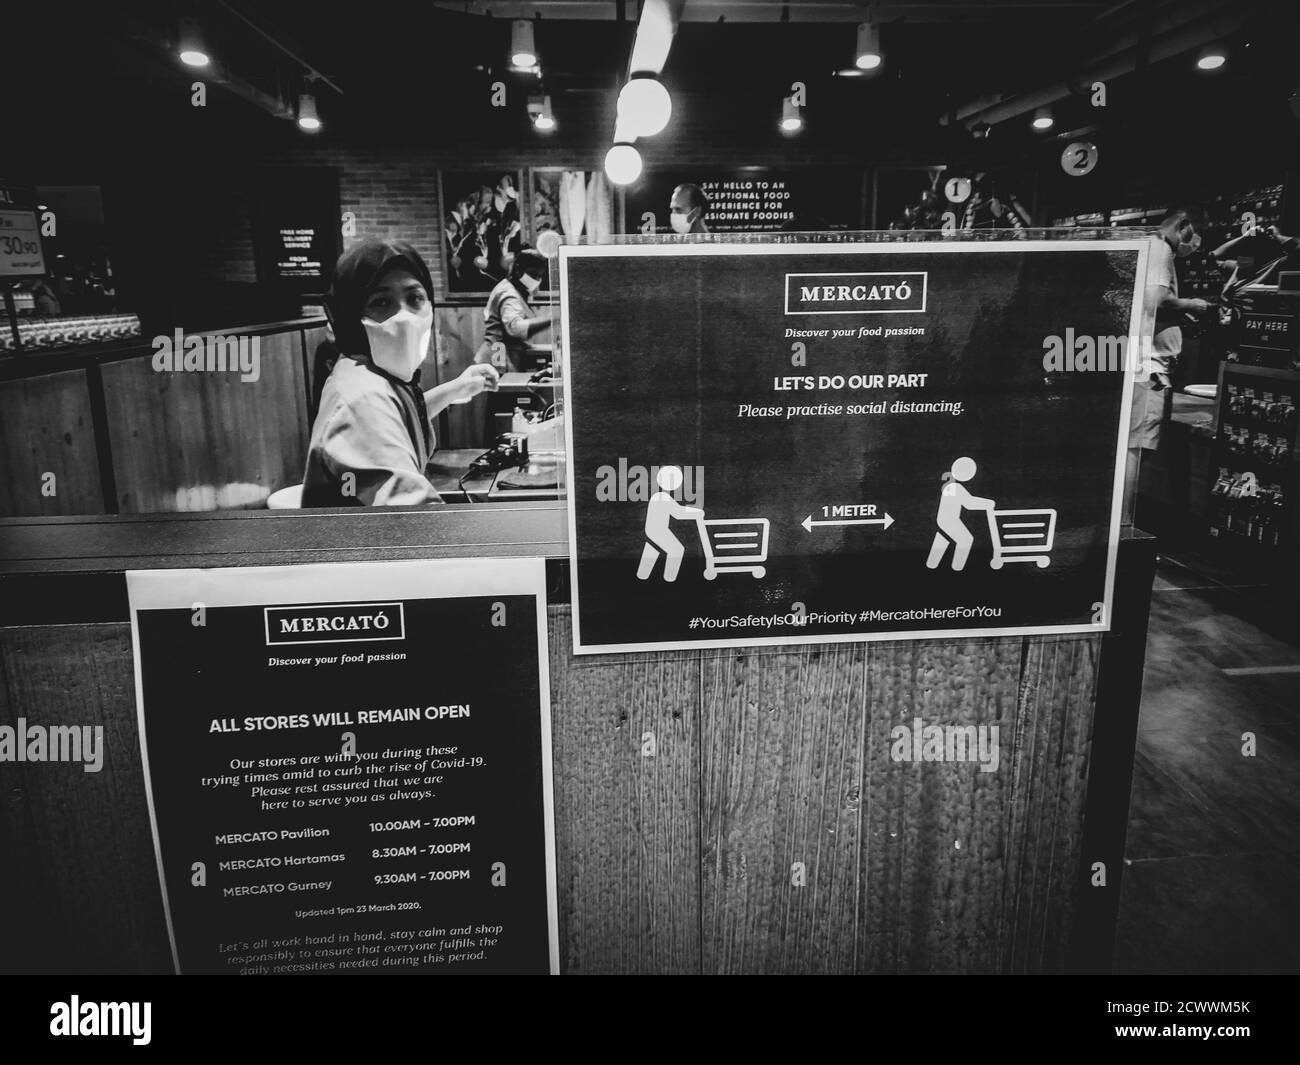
(886, 522)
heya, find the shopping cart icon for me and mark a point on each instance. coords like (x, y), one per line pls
(1022, 536)
(734, 545)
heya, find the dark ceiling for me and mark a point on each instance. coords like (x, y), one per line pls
(93, 73)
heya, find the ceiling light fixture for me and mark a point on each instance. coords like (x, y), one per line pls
(791, 116)
(868, 55)
(1043, 119)
(1211, 58)
(644, 105)
(307, 117)
(539, 110)
(191, 49)
(623, 164)
(523, 50)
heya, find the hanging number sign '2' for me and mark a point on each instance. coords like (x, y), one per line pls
(1079, 158)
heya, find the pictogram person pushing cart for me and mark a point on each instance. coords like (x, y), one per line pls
(952, 502)
(658, 533)
(1016, 535)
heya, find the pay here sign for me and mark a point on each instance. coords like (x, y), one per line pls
(788, 443)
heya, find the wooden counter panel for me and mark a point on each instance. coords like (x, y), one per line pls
(46, 427)
(681, 858)
(79, 867)
(186, 442)
(311, 340)
(626, 821)
(781, 782)
(1053, 742)
(936, 843)
(458, 332)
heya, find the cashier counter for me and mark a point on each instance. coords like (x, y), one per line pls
(518, 422)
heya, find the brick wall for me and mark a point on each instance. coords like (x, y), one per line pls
(392, 188)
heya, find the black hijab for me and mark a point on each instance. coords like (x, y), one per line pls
(356, 274)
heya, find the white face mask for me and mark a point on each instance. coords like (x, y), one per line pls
(529, 282)
(398, 344)
(680, 221)
(1184, 248)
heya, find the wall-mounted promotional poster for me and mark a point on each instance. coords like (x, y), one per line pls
(783, 443)
(348, 766)
(296, 211)
(753, 199)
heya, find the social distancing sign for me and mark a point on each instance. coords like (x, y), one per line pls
(792, 443)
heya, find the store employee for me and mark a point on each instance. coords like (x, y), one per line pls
(1152, 394)
(373, 434)
(508, 319)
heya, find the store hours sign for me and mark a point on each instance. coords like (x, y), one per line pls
(794, 443)
(348, 766)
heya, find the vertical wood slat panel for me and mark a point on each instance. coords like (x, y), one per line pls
(627, 824)
(186, 441)
(78, 850)
(935, 838)
(312, 339)
(458, 332)
(46, 427)
(781, 784)
(1057, 699)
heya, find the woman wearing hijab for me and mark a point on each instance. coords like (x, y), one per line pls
(373, 435)
(508, 319)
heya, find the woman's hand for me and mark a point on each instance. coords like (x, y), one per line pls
(475, 379)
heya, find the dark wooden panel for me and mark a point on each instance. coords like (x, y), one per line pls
(1050, 775)
(79, 869)
(935, 842)
(627, 825)
(45, 427)
(458, 332)
(781, 785)
(312, 339)
(207, 441)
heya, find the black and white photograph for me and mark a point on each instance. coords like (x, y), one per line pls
(482, 227)
(650, 487)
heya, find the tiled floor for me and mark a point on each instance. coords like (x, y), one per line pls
(1213, 873)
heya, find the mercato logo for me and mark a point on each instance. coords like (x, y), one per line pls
(133, 1019)
(211, 354)
(862, 293)
(334, 623)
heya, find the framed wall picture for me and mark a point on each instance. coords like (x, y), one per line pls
(482, 227)
(574, 204)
